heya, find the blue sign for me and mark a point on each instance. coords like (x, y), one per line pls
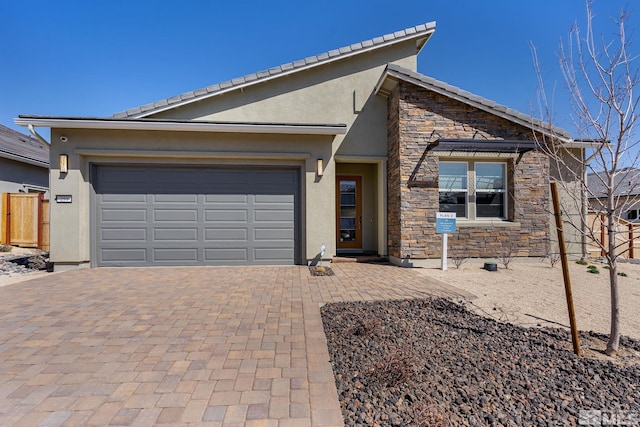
(445, 222)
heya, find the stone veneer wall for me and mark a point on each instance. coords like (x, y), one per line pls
(416, 118)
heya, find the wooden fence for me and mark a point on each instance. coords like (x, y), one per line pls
(25, 220)
(627, 236)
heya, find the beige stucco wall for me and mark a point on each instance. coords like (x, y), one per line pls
(573, 203)
(338, 92)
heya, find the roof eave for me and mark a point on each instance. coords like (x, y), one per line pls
(181, 126)
(23, 159)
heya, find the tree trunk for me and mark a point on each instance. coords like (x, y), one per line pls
(614, 335)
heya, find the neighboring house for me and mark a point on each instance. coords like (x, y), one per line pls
(627, 192)
(351, 149)
(24, 164)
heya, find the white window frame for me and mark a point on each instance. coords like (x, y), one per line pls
(471, 213)
(457, 190)
(502, 190)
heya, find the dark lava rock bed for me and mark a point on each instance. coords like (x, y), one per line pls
(431, 362)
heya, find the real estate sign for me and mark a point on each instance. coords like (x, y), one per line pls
(445, 222)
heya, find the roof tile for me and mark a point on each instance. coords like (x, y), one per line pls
(213, 88)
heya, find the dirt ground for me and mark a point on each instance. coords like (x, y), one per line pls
(533, 294)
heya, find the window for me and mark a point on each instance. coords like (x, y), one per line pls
(453, 188)
(632, 214)
(473, 189)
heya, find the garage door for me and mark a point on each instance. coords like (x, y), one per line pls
(194, 216)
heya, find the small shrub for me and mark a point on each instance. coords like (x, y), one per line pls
(398, 367)
(429, 414)
(507, 254)
(366, 326)
(553, 258)
(459, 259)
(593, 269)
(581, 262)
(5, 248)
(622, 273)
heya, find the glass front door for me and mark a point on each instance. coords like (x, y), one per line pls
(349, 212)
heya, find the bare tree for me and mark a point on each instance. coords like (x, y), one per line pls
(601, 78)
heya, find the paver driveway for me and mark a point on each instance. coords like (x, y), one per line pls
(207, 345)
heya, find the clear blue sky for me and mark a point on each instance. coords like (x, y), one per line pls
(98, 57)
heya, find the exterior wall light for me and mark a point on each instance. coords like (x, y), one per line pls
(320, 167)
(64, 163)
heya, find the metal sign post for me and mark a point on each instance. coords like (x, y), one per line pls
(445, 224)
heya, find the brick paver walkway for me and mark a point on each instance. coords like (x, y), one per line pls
(215, 346)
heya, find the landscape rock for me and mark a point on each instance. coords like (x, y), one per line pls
(466, 369)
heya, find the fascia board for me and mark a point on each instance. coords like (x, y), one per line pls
(22, 159)
(69, 123)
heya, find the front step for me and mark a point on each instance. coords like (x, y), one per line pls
(362, 258)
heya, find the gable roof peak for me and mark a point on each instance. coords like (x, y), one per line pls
(420, 33)
(395, 73)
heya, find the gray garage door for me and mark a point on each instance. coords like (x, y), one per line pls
(195, 216)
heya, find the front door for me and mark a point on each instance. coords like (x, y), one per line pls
(349, 212)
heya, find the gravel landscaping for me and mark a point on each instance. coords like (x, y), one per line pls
(432, 362)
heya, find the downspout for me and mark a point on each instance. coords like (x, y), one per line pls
(36, 135)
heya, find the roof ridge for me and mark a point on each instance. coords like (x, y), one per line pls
(472, 98)
(408, 33)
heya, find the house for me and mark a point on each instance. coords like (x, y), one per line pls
(627, 192)
(24, 164)
(351, 149)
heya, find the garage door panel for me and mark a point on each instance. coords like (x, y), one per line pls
(262, 215)
(123, 215)
(272, 234)
(239, 255)
(273, 255)
(175, 234)
(226, 215)
(234, 234)
(176, 198)
(120, 255)
(274, 198)
(124, 234)
(124, 198)
(150, 215)
(175, 215)
(175, 254)
(226, 198)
